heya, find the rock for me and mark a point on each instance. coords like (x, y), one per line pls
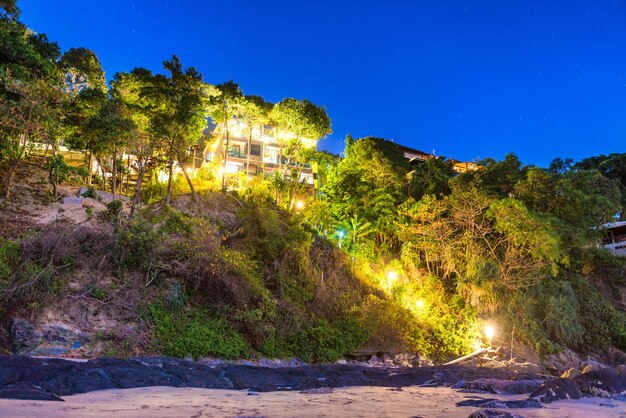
(555, 390)
(621, 370)
(375, 360)
(496, 403)
(278, 363)
(530, 368)
(554, 367)
(492, 413)
(603, 383)
(24, 336)
(72, 201)
(211, 362)
(341, 361)
(49, 340)
(570, 373)
(387, 359)
(591, 365)
(28, 392)
(498, 386)
(401, 360)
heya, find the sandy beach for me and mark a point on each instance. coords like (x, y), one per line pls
(365, 401)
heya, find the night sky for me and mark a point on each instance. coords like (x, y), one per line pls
(469, 79)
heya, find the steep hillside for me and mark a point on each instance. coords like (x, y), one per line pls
(219, 276)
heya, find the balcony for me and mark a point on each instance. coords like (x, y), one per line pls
(236, 154)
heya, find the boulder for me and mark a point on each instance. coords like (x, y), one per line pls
(401, 360)
(24, 335)
(493, 413)
(591, 365)
(499, 386)
(554, 367)
(375, 360)
(604, 383)
(556, 389)
(530, 368)
(570, 373)
(27, 391)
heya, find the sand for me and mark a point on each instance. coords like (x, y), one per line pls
(344, 402)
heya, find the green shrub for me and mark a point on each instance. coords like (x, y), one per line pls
(603, 324)
(114, 208)
(140, 240)
(9, 258)
(176, 299)
(319, 340)
(194, 333)
(90, 192)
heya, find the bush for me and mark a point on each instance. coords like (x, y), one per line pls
(114, 208)
(90, 192)
(194, 333)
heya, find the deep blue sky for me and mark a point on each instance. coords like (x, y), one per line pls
(470, 79)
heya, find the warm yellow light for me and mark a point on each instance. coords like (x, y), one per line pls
(299, 204)
(392, 275)
(419, 304)
(489, 332)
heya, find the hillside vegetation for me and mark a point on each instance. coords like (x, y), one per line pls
(180, 257)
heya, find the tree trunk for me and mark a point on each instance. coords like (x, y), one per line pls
(114, 173)
(248, 156)
(225, 156)
(142, 171)
(168, 196)
(89, 169)
(45, 153)
(11, 175)
(193, 191)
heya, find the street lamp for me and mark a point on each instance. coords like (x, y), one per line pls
(392, 276)
(489, 332)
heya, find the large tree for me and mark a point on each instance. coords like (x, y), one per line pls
(180, 115)
(108, 132)
(222, 107)
(81, 69)
(298, 120)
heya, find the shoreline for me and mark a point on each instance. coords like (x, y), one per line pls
(365, 401)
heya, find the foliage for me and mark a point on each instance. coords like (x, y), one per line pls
(194, 333)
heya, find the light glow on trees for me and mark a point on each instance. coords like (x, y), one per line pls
(489, 332)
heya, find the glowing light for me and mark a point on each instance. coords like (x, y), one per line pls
(392, 275)
(419, 304)
(299, 205)
(341, 234)
(162, 176)
(489, 332)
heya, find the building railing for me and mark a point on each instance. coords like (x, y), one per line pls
(236, 154)
(614, 240)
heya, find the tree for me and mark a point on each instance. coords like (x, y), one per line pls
(497, 178)
(222, 107)
(180, 114)
(300, 120)
(431, 177)
(578, 200)
(370, 182)
(254, 112)
(29, 111)
(107, 132)
(130, 89)
(612, 166)
(81, 69)
(8, 8)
